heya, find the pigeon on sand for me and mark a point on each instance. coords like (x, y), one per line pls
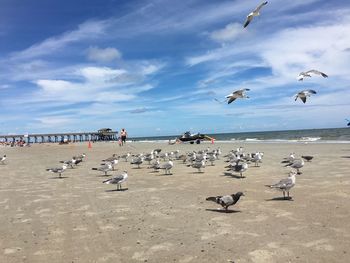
(226, 200)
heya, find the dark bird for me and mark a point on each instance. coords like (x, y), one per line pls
(348, 122)
(157, 151)
(226, 200)
(118, 180)
(308, 158)
(304, 94)
(307, 74)
(254, 13)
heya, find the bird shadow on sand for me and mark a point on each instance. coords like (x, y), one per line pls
(163, 174)
(236, 176)
(104, 175)
(117, 190)
(280, 199)
(62, 177)
(136, 168)
(223, 211)
(345, 157)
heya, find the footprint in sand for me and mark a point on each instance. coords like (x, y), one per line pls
(261, 256)
(144, 255)
(258, 218)
(320, 244)
(11, 250)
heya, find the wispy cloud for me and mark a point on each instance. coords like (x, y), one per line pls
(103, 54)
(85, 31)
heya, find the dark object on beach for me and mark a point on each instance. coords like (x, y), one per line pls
(226, 200)
(193, 138)
(308, 158)
(156, 151)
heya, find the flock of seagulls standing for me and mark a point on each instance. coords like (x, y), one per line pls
(65, 164)
(238, 162)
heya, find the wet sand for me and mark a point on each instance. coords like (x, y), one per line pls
(166, 218)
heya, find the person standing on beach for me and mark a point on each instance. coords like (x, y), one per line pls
(123, 135)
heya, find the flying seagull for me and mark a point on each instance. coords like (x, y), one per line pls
(2, 160)
(235, 95)
(118, 180)
(226, 200)
(256, 12)
(308, 74)
(348, 122)
(285, 184)
(304, 94)
(58, 170)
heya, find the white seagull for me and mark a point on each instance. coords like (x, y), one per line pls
(105, 168)
(167, 167)
(256, 12)
(285, 184)
(308, 74)
(2, 160)
(118, 180)
(235, 95)
(58, 170)
(304, 94)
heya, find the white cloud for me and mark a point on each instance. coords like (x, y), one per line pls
(86, 30)
(99, 74)
(103, 54)
(230, 33)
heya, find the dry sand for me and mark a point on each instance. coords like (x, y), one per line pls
(166, 218)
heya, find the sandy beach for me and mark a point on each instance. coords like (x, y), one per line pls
(166, 218)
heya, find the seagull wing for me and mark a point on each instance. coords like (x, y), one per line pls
(318, 73)
(248, 20)
(259, 7)
(219, 100)
(310, 91)
(283, 184)
(231, 99)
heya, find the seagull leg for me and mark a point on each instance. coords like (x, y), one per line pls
(284, 195)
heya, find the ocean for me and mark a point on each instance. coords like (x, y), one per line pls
(338, 135)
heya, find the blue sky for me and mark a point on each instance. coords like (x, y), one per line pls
(154, 67)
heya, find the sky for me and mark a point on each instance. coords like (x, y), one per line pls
(155, 67)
